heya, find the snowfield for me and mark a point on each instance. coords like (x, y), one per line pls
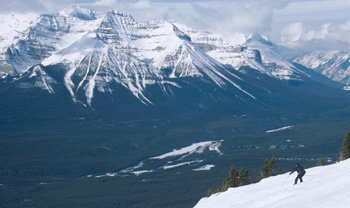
(279, 129)
(194, 148)
(323, 187)
(204, 167)
(346, 88)
(166, 167)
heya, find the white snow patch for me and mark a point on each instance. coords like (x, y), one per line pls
(194, 148)
(204, 167)
(346, 87)
(166, 167)
(279, 129)
(323, 187)
(328, 159)
(106, 175)
(142, 172)
(133, 168)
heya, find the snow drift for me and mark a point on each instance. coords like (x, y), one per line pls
(323, 187)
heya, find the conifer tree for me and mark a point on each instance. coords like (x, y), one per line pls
(231, 180)
(320, 162)
(264, 171)
(243, 177)
(214, 189)
(210, 192)
(255, 175)
(234, 179)
(273, 162)
(279, 171)
(345, 150)
(268, 169)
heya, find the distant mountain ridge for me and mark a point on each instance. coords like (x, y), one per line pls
(333, 64)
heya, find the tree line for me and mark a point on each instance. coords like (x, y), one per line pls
(240, 177)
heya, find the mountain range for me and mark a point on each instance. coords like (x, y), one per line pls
(87, 52)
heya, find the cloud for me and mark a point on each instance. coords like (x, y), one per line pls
(19, 6)
(292, 33)
(327, 36)
(40, 6)
(143, 4)
(297, 32)
(345, 26)
(106, 3)
(225, 17)
(249, 18)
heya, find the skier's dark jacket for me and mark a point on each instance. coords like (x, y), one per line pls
(300, 170)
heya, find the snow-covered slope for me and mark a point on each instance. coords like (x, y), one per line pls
(332, 64)
(323, 187)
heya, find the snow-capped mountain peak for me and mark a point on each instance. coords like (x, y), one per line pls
(258, 38)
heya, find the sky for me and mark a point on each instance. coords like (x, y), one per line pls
(296, 24)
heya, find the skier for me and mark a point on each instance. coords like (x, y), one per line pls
(301, 172)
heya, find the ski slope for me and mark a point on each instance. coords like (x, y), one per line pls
(323, 187)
